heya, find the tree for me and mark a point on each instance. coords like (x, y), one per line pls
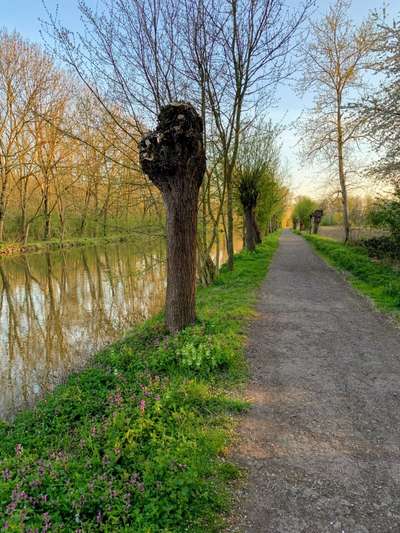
(260, 192)
(226, 57)
(302, 211)
(25, 76)
(380, 109)
(249, 192)
(334, 61)
(173, 157)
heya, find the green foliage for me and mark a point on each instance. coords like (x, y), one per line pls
(302, 211)
(385, 213)
(378, 281)
(382, 247)
(257, 175)
(137, 442)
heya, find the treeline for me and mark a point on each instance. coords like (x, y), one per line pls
(62, 172)
(69, 138)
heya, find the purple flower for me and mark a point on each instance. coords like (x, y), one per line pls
(142, 406)
(6, 474)
(99, 517)
(116, 398)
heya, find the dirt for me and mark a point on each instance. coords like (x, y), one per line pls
(322, 441)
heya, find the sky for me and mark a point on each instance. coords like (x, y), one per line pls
(24, 16)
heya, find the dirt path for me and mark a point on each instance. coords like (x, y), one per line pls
(322, 442)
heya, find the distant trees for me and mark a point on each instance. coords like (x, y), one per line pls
(59, 173)
(333, 62)
(302, 211)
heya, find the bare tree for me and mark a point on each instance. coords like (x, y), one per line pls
(226, 57)
(25, 74)
(333, 63)
(238, 54)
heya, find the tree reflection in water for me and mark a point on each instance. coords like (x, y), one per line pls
(58, 308)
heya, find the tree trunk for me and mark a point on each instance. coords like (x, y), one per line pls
(251, 236)
(316, 226)
(257, 231)
(229, 212)
(173, 157)
(342, 174)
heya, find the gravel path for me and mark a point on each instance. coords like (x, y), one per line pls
(322, 442)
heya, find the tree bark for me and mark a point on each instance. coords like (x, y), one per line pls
(251, 235)
(342, 174)
(173, 157)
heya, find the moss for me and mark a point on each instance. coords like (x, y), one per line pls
(137, 441)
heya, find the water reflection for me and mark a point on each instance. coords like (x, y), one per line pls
(57, 308)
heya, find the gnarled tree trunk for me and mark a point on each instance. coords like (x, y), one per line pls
(173, 157)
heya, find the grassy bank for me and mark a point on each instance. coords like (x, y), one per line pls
(138, 441)
(378, 281)
(57, 244)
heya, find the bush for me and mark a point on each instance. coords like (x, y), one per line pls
(382, 247)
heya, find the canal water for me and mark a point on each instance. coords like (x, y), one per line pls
(58, 308)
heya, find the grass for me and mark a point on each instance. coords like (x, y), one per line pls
(138, 441)
(376, 280)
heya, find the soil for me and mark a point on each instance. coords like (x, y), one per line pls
(322, 441)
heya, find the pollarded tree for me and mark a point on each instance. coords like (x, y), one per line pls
(302, 211)
(261, 192)
(249, 192)
(174, 159)
(333, 63)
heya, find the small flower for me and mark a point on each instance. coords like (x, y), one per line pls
(142, 406)
(158, 398)
(6, 474)
(134, 478)
(19, 449)
(116, 399)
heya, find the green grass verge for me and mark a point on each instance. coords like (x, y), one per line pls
(138, 441)
(378, 281)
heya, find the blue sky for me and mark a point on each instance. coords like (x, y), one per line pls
(24, 15)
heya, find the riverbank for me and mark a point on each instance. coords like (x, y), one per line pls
(139, 440)
(378, 281)
(7, 249)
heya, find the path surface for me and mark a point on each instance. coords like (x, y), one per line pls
(322, 442)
